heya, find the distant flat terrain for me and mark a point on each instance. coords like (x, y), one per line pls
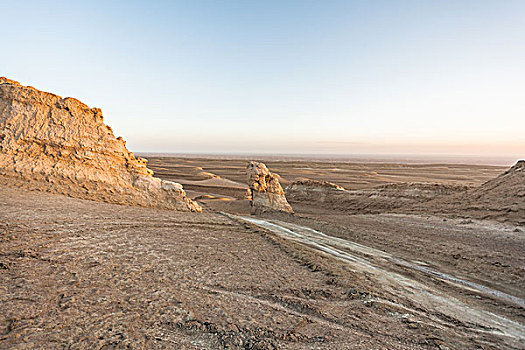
(347, 174)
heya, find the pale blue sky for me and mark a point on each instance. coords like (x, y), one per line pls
(354, 77)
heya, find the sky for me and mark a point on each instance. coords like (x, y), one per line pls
(283, 77)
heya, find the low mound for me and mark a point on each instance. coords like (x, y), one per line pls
(208, 175)
(61, 145)
(315, 184)
(383, 198)
(501, 199)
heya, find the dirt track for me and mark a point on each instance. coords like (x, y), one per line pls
(384, 265)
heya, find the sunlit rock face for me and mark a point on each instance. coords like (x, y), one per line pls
(60, 145)
(266, 191)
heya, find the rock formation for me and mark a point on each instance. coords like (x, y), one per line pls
(312, 190)
(380, 199)
(266, 191)
(501, 199)
(61, 145)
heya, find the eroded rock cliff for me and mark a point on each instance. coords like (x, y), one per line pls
(61, 145)
(266, 191)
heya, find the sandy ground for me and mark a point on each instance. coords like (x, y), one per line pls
(348, 175)
(83, 274)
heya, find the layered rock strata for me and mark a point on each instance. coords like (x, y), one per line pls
(384, 198)
(60, 145)
(501, 199)
(266, 191)
(312, 190)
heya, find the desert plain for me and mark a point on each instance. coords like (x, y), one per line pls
(262, 175)
(364, 262)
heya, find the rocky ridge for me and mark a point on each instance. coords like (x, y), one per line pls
(375, 200)
(500, 199)
(313, 190)
(61, 145)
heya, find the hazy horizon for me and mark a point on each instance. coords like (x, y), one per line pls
(418, 78)
(498, 161)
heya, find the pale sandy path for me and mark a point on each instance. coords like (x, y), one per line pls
(373, 261)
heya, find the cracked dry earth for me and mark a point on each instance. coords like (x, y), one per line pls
(79, 274)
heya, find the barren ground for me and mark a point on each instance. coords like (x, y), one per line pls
(82, 274)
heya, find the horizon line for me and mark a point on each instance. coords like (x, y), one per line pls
(360, 158)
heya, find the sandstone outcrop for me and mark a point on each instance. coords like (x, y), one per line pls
(312, 190)
(61, 145)
(266, 191)
(384, 198)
